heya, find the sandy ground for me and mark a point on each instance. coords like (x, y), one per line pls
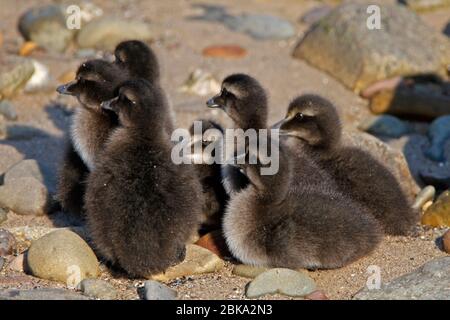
(178, 44)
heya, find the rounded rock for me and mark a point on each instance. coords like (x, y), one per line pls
(425, 195)
(62, 256)
(247, 271)
(99, 289)
(153, 290)
(24, 169)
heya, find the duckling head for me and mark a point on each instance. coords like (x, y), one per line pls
(95, 82)
(244, 100)
(137, 59)
(312, 119)
(138, 103)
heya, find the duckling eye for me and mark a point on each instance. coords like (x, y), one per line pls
(299, 116)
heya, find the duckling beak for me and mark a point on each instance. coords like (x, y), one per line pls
(66, 88)
(215, 102)
(108, 104)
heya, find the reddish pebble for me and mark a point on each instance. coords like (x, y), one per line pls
(446, 241)
(316, 295)
(214, 242)
(226, 51)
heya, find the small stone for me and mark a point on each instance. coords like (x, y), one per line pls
(13, 79)
(28, 168)
(106, 32)
(446, 241)
(424, 196)
(8, 157)
(438, 214)
(62, 256)
(201, 83)
(439, 133)
(153, 290)
(3, 215)
(385, 125)
(27, 48)
(198, 261)
(8, 110)
(214, 242)
(247, 271)
(429, 282)
(18, 263)
(46, 26)
(7, 243)
(40, 80)
(280, 280)
(317, 295)
(224, 51)
(99, 289)
(25, 196)
(40, 294)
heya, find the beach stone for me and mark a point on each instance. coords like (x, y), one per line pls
(18, 263)
(99, 289)
(439, 133)
(28, 168)
(46, 26)
(40, 294)
(62, 256)
(40, 80)
(446, 241)
(429, 282)
(200, 83)
(8, 157)
(438, 214)
(425, 195)
(12, 79)
(7, 243)
(280, 280)
(224, 51)
(247, 271)
(106, 32)
(385, 125)
(153, 290)
(27, 48)
(3, 215)
(214, 242)
(393, 159)
(8, 110)
(425, 5)
(198, 260)
(342, 45)
(25, 196)
(317, 295)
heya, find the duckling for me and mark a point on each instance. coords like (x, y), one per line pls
(91, 125)
(214, 194)
(141, 208)
(289, 219)
(314, 121)
(138, 60)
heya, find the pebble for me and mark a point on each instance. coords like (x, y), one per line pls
(153, 290)
(224, 51)
(7, 243)
(198, 261)
(8, 110)
(40, 80)
(214, 242)
(317, 295)
(40, 294)
(438, 214)
(247, 271)
(46, 26)
(3, 215)
(280, 280)
(439, 133)
(28, 168)
(446, 241)
(8, 157)
(13, 79)
(429, 282)
(27, 48)
(385, 125)
(99, 289)
(106, 32)
(18, 263)
(425, 195)
(201, 83)
(25, 196)
(62, 256)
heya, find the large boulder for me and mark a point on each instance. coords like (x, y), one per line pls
(342, 45)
